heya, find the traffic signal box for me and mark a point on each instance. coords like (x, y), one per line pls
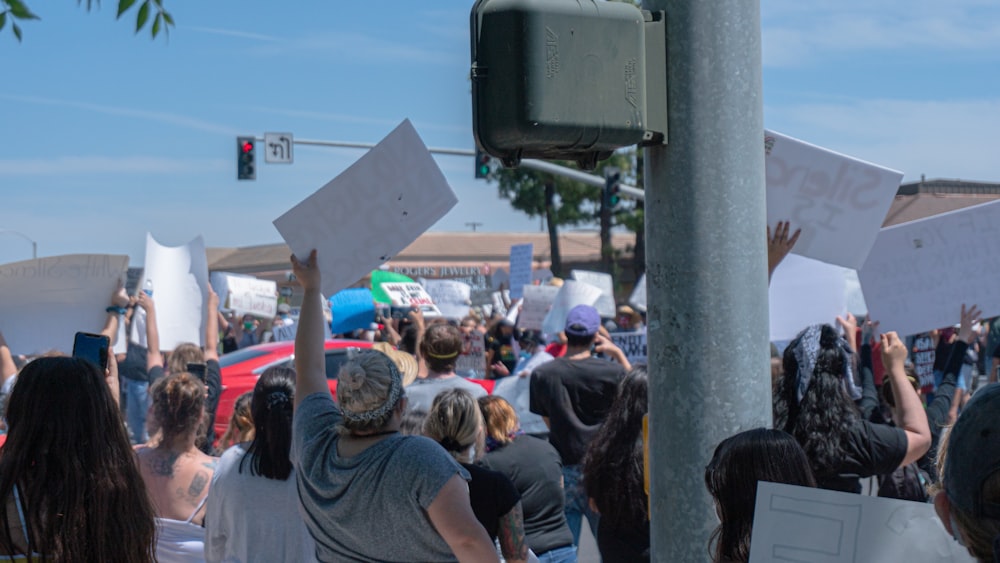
(246, 158)
(566, 79)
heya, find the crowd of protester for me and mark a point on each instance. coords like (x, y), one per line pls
(414, 460)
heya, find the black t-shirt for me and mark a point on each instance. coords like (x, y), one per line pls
(871, 449)
(534, 467)
(618, 545)
(492, 496)
(134, 365)
(576, 396)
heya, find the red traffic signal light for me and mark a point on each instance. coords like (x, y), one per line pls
(246, 159)
(247, 146)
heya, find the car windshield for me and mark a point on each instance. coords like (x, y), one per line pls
(240, 356)
(335, 359)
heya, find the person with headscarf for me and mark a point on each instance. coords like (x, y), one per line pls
(814, 401)
(367, 492)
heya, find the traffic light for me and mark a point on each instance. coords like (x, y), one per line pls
(612, 189)
(483, 162)
(246, 158)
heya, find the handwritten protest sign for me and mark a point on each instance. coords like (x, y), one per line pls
(352, 308)
(633, 344)
(396, 182)
(472, 361)
(411, 295)
(246, 295)
(44, 302)
(538, 300)
(180, 290)
(451, 297)
(838, 201)
(920, 273)
(805, 524)
(922, 357)
(606, 304)
(804, 292)
(520, 268)
(571, 294)
(638, 297)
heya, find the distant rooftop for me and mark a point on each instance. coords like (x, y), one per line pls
(916, 200)
(948, 186)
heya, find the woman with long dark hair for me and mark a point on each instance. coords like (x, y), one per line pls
(253, 505)
(613, 474)
(814, 402)
(67, 474)
(731, 477)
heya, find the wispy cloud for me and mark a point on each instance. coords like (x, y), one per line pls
(182, 121)
(954, 139)
(78, 165)
(361, 120)
(232, 33)
(795, 33)
(353, 47)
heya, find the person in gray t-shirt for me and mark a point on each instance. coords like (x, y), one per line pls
(440, 348)
(367, 493)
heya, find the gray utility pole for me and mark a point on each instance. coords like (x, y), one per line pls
(540, 165)
(706, 263)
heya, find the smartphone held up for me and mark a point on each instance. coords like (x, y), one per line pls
(93, 348)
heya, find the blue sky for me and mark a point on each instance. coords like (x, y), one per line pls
(105, 135)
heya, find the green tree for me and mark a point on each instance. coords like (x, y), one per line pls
(567, 203)
(17, 12)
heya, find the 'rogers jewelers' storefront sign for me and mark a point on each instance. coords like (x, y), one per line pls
(475, 276)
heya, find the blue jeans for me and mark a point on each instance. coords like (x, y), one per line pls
(559, 555)
(576, 502)
(136, 405)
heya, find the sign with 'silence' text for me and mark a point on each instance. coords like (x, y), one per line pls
(838, 201)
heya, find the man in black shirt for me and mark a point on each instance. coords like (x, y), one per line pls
(573, 394)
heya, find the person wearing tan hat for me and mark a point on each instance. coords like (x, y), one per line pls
(404, 361)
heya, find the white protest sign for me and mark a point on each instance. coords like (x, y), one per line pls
(246, 295)
(571, 294)
(45, 302)
(411, 295)
(633, 344)
(180, 291)
(920, 273)
(538, 300)
(606, 304)
(520, 268)
(638, 297)
(120, 345)
(396, 182)
(805, 292)
(805, 524)
(514, 311)
(451, 297)
(499, 301)
(838, 201)
(472, 361)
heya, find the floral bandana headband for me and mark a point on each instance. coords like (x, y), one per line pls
(806, 351)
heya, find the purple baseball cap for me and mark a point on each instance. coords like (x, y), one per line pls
(582, 320)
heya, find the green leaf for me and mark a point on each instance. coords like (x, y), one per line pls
(168, 18)
(156, 25)
(17, 32)
(123, 6)
(20, 11)
(143, 16)
(3, 20)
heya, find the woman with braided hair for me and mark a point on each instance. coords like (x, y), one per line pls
(368, 493)
(253, 505)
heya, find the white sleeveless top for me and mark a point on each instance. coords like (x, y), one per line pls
(180, 541)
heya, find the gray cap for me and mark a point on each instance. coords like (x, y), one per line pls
(974, 454)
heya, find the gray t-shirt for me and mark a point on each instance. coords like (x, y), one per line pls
(373, 506)
(420, 394)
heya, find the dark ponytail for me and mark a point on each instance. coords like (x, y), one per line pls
(271, 407)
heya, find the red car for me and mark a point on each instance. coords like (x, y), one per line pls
(242, 368)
